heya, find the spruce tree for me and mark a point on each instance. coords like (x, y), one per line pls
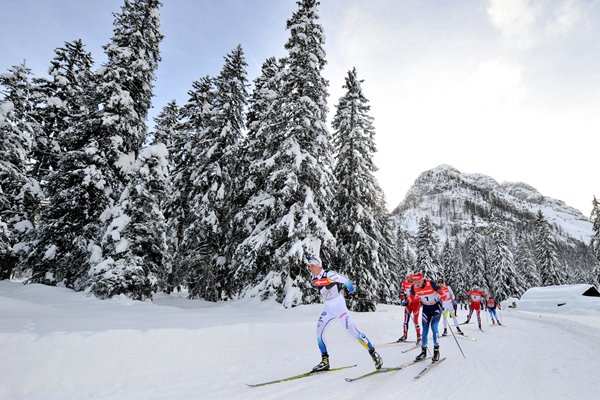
(361, 228)
(20, 195)
(168, 132)
(551, 272)
(298, 187)
(216, 183)
(58, 103)
(254, 198)
(445, 260)
(503, 282)
(100, 148)
(134, 245)
(596, 240)
(185, 232)
(525, 266)
(427, 250)
(475, 257)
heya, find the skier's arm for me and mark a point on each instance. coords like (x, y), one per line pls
(341, 279)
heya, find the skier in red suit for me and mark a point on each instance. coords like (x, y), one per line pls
(477, 296)
(413, 309)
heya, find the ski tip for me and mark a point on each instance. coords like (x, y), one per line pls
(348, 379)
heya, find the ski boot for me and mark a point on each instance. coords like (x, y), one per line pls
(376, 359)
(499, 323)
(323, 365)
(445, 333)
(459, 331)
(467, 321)
(436, 354)
(423, 354)
(402, 339)
(493, 322)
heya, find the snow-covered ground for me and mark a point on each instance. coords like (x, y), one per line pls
(57, 344)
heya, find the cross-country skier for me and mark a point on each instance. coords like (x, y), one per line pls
(448, 301)
(491, 307)
(329, 284)
(428, 293)
(414, 308)
(476, 294)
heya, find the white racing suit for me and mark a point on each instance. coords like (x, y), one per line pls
(329, 283)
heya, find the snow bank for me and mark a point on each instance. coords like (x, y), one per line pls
(562, 299)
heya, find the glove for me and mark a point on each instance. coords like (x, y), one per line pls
(404, 303)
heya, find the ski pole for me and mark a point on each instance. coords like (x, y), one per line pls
(452, 332)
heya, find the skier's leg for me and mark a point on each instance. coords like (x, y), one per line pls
(445, 315)
(416, 312)
(435, 320)
(426, 322)
(348, 323)
(324, 320)
(406, 320)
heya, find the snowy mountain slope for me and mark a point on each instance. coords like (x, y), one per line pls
(58, 344)
(451, 197)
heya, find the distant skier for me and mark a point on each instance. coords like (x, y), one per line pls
(476, 294)
(448, 301)
(414, 308)
(428, 293)
(329, 284)
(491, 307)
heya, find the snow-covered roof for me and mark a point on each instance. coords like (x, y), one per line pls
(580, 298)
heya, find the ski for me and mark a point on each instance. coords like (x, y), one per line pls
(384, 370)
(472, 339)
(465, 323)
(416, 346)
(428, 368)
(394, 343)
(304, 375)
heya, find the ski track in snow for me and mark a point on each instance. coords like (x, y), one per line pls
(57, 344)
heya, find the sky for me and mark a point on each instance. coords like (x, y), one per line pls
(505, 88)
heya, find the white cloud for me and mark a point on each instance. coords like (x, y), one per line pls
(529, 22)
(516, 19)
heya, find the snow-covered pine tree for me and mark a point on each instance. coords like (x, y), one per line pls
(125, 82)
(254, 198)
(596, 240)
(134, 246)
(78, 191)
(525, 266)
(503, 282)
(454, 272)
(58, 102)
(215, 184)
(445, 260)
(100, 148)
(551, 272)
(167, 130)
(124, 93)
(362, 229)
(427, 248)
(20, 195)
(475, 257)
(405, 266)
(299, 186)
(188, 159)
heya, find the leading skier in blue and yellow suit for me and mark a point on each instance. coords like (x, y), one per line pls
(428, 293)
(329, 283)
